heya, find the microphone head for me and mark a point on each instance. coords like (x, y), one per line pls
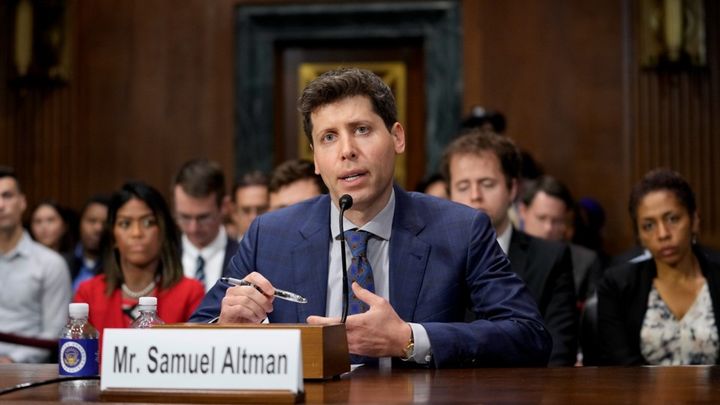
(346, 202)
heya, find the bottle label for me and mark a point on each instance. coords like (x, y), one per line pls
(78, 357)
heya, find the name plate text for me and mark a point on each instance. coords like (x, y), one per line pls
(203, 358)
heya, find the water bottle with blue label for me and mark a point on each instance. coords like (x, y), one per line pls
(78, 344)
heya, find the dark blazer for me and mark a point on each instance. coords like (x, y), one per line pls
(546, 268)
(230, 249)
(622, 302)
(587, 270)
(442, 256)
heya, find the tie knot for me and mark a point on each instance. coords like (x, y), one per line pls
(357, 240)
(200, 261)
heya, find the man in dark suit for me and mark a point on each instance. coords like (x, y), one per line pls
(482, 171)
(199, 198)
(546, 206)
(426, 259)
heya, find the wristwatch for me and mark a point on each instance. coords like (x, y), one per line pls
(409, 348)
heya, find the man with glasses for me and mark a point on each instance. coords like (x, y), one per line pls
(199, 197)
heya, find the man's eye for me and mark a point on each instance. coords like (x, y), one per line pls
(328, 138)
(464, 186)
(362, 130)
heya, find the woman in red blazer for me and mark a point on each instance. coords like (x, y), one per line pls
(140, 258)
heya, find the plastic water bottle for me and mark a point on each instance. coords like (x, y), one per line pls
(78, 355)
(148, 314)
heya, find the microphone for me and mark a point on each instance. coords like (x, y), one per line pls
(345, 203)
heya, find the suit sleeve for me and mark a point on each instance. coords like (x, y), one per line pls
(616, 346)
(509, 330)
(561, 315)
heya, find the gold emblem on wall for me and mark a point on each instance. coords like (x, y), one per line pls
(394, 74)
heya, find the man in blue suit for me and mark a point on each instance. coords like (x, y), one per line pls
(430, 258)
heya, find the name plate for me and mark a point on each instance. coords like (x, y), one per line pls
(202, 359)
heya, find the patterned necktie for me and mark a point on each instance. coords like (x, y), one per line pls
(200, 270)
(360, 269)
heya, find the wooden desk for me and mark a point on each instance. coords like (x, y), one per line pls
(509, 386)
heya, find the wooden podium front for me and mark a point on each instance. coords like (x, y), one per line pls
(324, 356)
(324, 347)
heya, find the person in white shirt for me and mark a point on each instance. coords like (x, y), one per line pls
(35, 299)
(198, 197)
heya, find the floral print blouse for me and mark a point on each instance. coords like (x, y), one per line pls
(665, 340)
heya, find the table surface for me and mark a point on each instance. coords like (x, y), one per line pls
(697, 384)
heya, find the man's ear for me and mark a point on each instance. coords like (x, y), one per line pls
(514, 185)
(398, 133)
(226, 206)
(522, 210)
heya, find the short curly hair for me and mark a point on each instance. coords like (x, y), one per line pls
(338, 84)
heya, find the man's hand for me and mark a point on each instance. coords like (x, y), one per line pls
(245, 304)
(6, 360)
(379, 332)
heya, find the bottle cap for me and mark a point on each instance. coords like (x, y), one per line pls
(148, 301)
(79, 309)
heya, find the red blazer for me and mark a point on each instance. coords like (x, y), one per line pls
(175, 304)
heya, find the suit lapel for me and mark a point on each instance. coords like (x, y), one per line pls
(518, 251)
(310, 261)
(230, 250)
(408, 257)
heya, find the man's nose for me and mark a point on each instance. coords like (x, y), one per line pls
(348, 147)
(476, 193)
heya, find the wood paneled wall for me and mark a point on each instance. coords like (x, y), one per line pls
(678, 124)
(152, 86)
(555, 69)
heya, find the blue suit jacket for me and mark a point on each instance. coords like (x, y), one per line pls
(443, 258)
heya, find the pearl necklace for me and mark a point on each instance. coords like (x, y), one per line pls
(137, 294)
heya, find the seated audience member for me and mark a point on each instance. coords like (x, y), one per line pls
(482, 170)
(250, 199)
(545, 208)
(141, 257)
(198, 199)
(419, 261)
(35, 279)
(84, 261)
(433, 185)
(493, 122)
(53, 226)
(294, 181)
(664, 310)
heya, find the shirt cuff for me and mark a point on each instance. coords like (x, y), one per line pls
(423, 351)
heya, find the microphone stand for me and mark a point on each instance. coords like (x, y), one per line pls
(345, 203)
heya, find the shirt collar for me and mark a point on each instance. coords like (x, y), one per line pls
(380, 225)
(504, 239)
(23, 247)
(215, 246)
